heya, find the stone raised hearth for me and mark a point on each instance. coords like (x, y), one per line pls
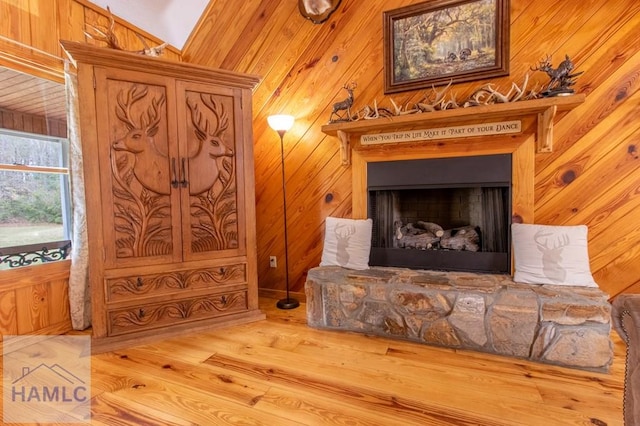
(567, 326)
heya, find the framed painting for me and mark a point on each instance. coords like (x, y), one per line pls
(435, 42)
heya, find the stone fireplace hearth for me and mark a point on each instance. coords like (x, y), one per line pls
(567, 326)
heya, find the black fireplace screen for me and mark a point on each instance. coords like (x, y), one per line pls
(450, 214)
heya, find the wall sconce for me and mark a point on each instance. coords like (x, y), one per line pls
(282, 123)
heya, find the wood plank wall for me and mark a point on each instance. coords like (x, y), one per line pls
(41, 24)
(34, 300)
(591, 177)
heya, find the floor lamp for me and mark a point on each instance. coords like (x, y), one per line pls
(281, 123)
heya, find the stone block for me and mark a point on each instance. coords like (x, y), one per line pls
(351, 296)
(467, 319)
(313, 292)
(568, 312)
(379, 318)
(432, 305)
(513, 319)
(582, 347)
(441, 333)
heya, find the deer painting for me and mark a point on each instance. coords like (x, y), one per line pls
(551, 254)
(150, 164)
(343, 233)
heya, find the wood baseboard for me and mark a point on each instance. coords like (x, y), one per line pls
(281, 294)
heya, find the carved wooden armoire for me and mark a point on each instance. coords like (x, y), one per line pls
(168, 165)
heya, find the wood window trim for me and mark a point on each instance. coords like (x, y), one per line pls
(34, 169)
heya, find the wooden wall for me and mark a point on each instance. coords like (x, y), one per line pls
(41, 24)
(34, 300)
(591, 177)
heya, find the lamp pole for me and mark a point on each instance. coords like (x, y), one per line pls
(282, 123)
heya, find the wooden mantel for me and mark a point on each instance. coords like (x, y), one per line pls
(544, 110)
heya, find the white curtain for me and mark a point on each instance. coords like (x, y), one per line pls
(79, 290)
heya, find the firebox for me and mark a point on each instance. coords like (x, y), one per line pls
(449, 214)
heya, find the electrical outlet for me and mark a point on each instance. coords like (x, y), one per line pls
(273, 262)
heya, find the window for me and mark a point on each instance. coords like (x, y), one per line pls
(35, 212)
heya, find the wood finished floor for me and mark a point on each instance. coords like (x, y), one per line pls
(281, 372)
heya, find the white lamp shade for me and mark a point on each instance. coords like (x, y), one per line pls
(280, 122)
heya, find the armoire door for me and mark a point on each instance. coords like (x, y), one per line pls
(139, 168)
(211, 155)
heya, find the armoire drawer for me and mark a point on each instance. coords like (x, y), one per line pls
(126, 288)
(175, 312)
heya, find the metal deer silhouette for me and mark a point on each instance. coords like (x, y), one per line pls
(343, 233)
(210, 145)
(551, 254)
(344, 105)
(150, 162)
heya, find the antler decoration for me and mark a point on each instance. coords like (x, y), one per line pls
(440, 100)
(488, 94)
(108, 35)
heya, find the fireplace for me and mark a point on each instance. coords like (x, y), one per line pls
(449, 214)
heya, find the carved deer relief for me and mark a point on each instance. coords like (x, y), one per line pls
(552, 254)
(212, 187)
(140, 173)
(343, 233)
(150, 162)
(209, 144)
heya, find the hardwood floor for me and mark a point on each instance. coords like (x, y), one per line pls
(281, 372)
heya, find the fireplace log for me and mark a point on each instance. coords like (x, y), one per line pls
(463, 238)
(434, 228)
(410, 229)
(420, 241)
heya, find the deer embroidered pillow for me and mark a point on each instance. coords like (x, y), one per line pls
(546, 254)
(347, 243)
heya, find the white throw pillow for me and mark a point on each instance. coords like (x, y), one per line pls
(547, 254)
(347, 243)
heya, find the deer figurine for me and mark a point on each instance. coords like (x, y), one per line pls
(343, 233)
(209, 146)
(551, 255)
(561, 78)
(344, 105)
(150, 164)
